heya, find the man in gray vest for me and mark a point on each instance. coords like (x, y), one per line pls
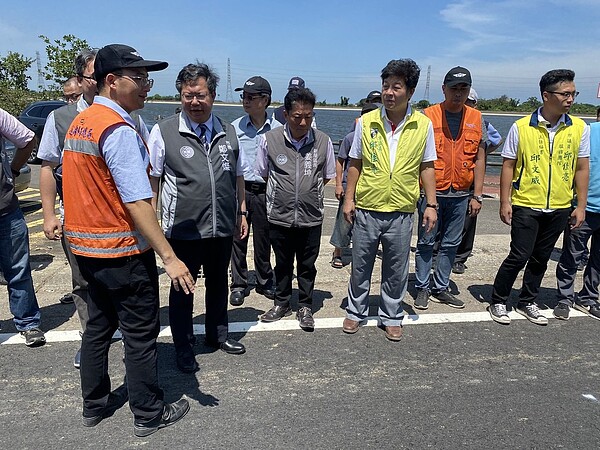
(50, 153)
(196, 155)
(256, 97)
(297, 162)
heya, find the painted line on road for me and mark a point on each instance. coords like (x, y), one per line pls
(292, 325)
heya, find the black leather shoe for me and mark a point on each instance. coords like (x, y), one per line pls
(276, 313)
(230, 346)
(236, 298)
(172, 412)
(267, 292)
(116, 399)
(305, 317)
(186, 361)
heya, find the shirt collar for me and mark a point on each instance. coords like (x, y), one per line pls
(101, 100)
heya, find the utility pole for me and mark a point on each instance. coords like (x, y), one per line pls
(229, 92)
(426, 97)
(41, 82)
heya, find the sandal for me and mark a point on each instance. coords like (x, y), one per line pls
(336, 262)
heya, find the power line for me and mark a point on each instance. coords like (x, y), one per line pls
(229, 91)
(41, 81)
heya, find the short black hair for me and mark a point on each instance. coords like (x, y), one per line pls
(300, 95)
(555, 76)
(403, 68)
(192, 72)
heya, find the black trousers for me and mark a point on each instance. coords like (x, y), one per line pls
(533, 235)
(212, 254)
(302, 244)
(257, 219)
(80, 286)
(123, 293)
(465, 248)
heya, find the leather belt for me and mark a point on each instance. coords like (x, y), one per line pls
(255, 188)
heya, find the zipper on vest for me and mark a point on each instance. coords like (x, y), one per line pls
(549, 181)
(213, 192)
(296, 190)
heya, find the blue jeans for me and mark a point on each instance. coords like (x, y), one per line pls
(14, 262)
(451, 219)
(342, 230)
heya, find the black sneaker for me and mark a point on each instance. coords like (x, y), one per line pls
(591, 310)
(172, 412)
(458, 268)
(77, 359)
(422, 300)
(447, 298)
(67, 299)
(305, 317)
(34, 337)
(561, 311)
(531, 312)
(498, 313)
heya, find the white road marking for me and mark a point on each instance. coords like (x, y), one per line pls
(292, 324)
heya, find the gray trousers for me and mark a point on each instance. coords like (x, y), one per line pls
(394, 231)
(575, 243)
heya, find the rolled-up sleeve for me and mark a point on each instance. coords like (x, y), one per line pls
(156, 147)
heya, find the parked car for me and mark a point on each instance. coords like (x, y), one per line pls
(23, 180)
(34, 117)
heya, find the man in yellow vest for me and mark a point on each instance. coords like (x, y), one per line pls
(545, 154)
(460, 146)
(113, 232)
(393, 146)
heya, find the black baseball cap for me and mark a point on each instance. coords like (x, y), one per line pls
(458, 75)
(118, 56)
(373, 95)
(256, 85)
(295, 83)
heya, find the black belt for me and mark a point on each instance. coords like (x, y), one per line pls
(256, 188)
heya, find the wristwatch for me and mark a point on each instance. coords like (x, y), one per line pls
(434, 206)
(243, 213)
(478, 198)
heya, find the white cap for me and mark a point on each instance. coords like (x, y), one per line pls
(473, 95)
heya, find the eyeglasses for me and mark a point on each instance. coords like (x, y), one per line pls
(89, 77)
(565, 95)
(71, 98)
(190, 97)
(250, 97)
(144, 82)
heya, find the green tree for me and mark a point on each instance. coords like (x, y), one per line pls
(422, 104)
(13, 71)
(344, 101)
(61, 53)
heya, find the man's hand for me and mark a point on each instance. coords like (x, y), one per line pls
(474, 208)
(52, 228)
(506, 213)
(242, 228)
(429, 219)
(577, 217)
(339, 191)
(349, 210)
(180, 275)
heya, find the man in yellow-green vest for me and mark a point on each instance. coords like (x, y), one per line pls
(545, 155)
(393, 146)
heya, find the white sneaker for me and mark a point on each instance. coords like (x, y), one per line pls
(532, 313)
(498, 313)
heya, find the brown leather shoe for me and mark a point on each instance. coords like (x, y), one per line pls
(393, 333)
(350, 326)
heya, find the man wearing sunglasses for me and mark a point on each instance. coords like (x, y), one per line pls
(545, 154)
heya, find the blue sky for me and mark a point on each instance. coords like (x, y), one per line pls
(338, 47)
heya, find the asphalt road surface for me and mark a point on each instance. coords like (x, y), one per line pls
(456, 380)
